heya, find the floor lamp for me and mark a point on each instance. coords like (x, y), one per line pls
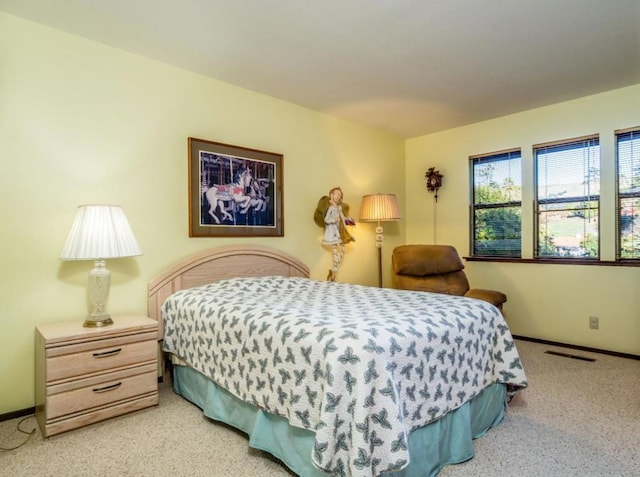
(379, 208)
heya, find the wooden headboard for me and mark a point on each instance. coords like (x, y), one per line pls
(217, 264)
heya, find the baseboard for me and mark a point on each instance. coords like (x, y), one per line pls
(19, 413)
(581, 348)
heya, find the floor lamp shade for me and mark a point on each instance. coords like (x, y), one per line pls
(379, 208)
(100, 232)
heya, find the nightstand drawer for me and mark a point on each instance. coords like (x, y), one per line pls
(97, 359)
(103, 393)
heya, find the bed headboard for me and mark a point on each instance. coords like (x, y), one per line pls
(217, 264)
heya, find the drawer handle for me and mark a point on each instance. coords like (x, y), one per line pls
(106, 354)
(105, 389)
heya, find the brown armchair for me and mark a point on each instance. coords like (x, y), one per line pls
(438, 269)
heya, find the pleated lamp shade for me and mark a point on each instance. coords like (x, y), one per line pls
(100, 232)
(379, 208)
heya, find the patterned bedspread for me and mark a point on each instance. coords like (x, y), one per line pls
(360, 366)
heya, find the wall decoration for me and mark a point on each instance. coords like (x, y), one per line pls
(331, 213)
(234, 191)
(434, 181)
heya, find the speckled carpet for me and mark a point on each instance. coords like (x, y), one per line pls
(577, 418)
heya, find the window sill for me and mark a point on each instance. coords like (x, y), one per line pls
(558, 261)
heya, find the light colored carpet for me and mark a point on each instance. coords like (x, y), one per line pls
(577, 418)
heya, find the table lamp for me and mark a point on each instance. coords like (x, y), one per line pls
(99, 232)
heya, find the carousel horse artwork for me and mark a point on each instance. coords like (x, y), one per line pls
(258, 194)
(235, 192)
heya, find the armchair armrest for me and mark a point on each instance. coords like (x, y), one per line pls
(494, 297)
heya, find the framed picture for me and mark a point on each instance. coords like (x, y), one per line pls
(234, 191)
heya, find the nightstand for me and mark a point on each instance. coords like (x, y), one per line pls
(85, 375)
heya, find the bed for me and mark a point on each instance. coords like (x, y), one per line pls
(333, 378)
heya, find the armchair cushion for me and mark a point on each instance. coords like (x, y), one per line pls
(455, 283)
(423, 260)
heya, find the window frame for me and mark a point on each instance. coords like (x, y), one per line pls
(619, 196)
(605, 155)
(546, 201)
(497, 156)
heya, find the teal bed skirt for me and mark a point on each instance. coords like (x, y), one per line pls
(449, 440)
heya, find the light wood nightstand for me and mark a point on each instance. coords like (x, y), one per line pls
(85, 375)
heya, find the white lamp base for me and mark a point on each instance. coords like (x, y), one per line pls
(99, 283)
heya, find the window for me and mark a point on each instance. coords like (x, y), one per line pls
(567, 197)
(628, 199)
(496, 180)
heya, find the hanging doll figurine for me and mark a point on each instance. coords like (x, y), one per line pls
(329, 214)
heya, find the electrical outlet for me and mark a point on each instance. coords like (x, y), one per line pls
(594, 322)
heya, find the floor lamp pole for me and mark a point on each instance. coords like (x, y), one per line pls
(379, 238)
(379, 267)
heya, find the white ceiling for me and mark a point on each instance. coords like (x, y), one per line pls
(409, 67)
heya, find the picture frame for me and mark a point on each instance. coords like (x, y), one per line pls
(234, 191)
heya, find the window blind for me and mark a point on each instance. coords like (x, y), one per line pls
(628, 173)
(568, 198)
(496, 204)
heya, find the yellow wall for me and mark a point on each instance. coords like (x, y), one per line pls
(551, 302)
(81, 122)
(84, 123)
